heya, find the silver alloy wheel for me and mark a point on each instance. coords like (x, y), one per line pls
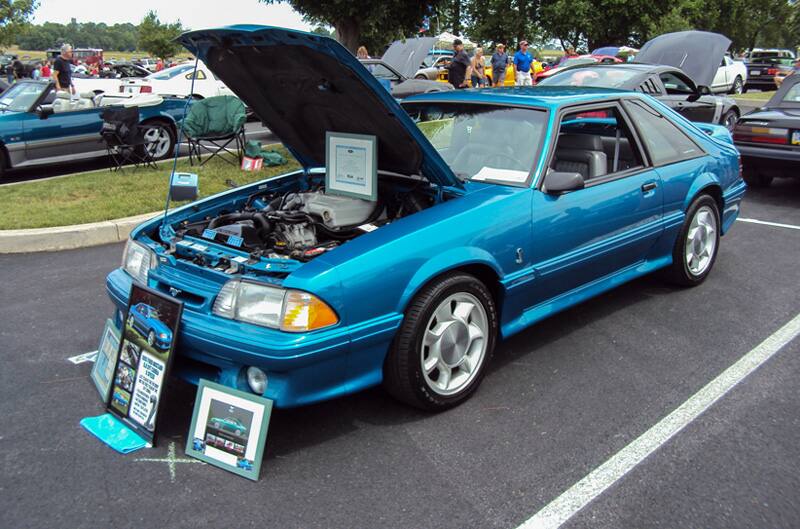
(158, 141)
(701, 241)
(454, 344)
(730, 121)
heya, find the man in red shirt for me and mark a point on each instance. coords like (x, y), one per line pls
(46, 70)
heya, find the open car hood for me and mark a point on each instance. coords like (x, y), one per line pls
(406, 57)
(303, 85)
(697, 53)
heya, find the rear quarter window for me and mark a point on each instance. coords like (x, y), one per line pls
(664, 140)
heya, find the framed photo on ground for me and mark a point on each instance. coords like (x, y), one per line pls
(145, 356)
(106, 360)
(229, 428)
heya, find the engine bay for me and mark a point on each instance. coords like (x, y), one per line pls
(302, 225)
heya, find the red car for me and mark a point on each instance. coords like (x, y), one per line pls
(574, 61)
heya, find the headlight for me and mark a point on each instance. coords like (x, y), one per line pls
(277, 308)
(138, 260)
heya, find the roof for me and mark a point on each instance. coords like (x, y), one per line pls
(550, 97)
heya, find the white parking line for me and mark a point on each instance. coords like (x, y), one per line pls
(83, 357)
(765, 223)
(600, 479)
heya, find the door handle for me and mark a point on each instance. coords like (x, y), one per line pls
(649, 186)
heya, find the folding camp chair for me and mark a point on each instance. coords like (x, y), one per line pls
(213, 124)
(124, 138)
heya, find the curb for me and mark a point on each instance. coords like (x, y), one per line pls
(70, 237)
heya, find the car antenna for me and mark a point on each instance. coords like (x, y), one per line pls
(178, 142)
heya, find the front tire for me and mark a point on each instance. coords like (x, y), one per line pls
(151, 339)
(443, 347)
(697, 245)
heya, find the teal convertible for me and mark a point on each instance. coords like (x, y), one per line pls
(492, 210)
(40, 126)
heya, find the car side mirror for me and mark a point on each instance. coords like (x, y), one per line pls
(562, 182)
(45, 111)
(703, 90)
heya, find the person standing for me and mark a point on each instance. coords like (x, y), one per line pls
(460, 68)
(499, 64)
(62, 70)
(362, 52)
(522, 65)
(478, 77)
(45, 70)
(19, 69)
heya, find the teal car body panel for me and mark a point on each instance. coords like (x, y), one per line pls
(539, 253)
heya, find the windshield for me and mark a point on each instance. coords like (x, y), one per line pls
(21, 96)
(483, 142)
(598, 77)
(576, 61)
(169, 73)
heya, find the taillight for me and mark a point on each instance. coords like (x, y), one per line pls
(145, 89)
(749, 133)
(772, 71)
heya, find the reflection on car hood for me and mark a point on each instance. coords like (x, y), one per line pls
(697, 53)
(303, 85)
(406, 57)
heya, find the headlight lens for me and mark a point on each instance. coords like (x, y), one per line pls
(277, 308)
(138, 260)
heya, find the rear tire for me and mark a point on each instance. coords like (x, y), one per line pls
(443, 347)
(162, 139)
(697, 244)
(420, 77)
(738, 86)
(729, 120)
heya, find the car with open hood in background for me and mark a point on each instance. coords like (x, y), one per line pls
(769, 137)
(399, 68)
(676, 68)
(494, 209)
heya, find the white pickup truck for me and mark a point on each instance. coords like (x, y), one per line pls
(731, 77)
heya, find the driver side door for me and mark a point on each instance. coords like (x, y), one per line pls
(62, 136)
(683, 97)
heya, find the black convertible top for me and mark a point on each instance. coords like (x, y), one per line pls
(779, 99)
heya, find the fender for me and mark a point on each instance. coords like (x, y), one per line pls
(702, 182)
(442, 263)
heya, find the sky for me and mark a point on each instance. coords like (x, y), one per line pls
(193, 14)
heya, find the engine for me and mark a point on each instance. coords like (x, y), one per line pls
(301, 225)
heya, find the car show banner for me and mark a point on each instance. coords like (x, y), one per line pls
(145, 355)
(229, 428)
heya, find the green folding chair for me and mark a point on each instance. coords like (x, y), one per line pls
(213, 124)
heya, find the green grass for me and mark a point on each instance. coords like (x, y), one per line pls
(104, 195)
(755, 96)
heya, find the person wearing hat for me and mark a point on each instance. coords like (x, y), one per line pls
(522, 65)
(460, 68)
(499, 64)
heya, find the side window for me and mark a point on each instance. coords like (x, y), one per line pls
(675, 84)
(596, 143)
(201, 75)
(665, 141)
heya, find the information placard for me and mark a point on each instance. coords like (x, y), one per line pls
(351, 165)
(144, 359)
(229, 428)
(106, 360)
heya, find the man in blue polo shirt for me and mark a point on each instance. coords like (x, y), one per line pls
(522, 65)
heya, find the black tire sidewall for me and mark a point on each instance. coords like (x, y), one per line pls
(680, 268)
(725, 119)
(163, 126)
(414, 327)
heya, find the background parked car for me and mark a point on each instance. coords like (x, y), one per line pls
(398, 69)
(178, 81)
(769, 138)
(731, 76)
(764, 65)
(110, 80)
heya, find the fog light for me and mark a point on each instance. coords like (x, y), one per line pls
(257, 380)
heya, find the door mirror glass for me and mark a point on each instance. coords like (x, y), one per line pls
(703, 91)
(561, 182)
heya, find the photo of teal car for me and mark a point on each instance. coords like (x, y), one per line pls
(495, 210)
(229, 424)
(40, 126)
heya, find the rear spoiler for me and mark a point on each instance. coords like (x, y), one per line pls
(718, 132)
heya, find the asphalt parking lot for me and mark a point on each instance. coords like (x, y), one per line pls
(560, 399)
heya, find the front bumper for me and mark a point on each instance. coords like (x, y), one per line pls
(301, 368)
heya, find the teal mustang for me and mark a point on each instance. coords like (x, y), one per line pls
(494, 210)
(230, 424)
(39, 126)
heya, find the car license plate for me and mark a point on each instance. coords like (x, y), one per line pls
(755, 72)
(796, 137)
(131, 89)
